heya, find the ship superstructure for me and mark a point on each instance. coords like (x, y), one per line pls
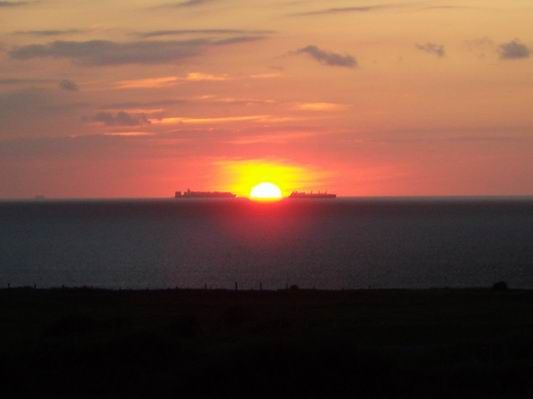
(204, 194)
(311, 195)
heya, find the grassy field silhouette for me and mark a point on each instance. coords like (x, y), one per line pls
(213, 343)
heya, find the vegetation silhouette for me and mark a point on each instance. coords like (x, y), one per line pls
(214, 343)
(500, 286)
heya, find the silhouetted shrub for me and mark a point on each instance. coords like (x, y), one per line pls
(73, 325)
(80, 324)
(236, 316)
(139, 349)
(185, 327)
(500, 286)
(275, 325)
(294, 287)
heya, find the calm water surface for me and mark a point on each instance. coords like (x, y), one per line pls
(325, 244)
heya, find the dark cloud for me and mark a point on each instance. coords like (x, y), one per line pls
(144, 104)
(514, 50)
(188, 3)
(120, 118)
(17, 81)
(450, 7)
(6, 4)
(327, 57)
(50, 32)
(347, 10)
(194, 3)
(372, 8)
(238, 40)
(432, 48)
(102, 52)
(68, 85)
(183, 32)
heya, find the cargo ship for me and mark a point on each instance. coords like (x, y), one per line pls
(301, 195)
(204, 194)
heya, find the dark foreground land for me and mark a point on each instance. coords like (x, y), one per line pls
(222, 344)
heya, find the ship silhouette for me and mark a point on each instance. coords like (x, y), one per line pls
(204, 194)
(311, 195)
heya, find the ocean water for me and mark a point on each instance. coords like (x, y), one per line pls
(328, 244)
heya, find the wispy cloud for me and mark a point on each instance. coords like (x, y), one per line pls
(432, 48)
(327, 57)
(216, 120)
(272, 138)
(209, 120)
(129, 134)
(120, 118)
(7, 4)
(205, 77)
(50, 32)
(348, 10)
(18, 81)
(320, 106)
(100, 52)
(266, 75)
(239, 40)
(68, 85)
(374, 8)
(213, 99)
(168, 81)
(103, 52)
(142, 104)
(148, 83)
(185, 32)
(187, 3)
(194, 3)
(481, 46)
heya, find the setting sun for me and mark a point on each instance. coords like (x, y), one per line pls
(266, 192)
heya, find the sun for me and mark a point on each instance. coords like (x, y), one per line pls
(266, 192)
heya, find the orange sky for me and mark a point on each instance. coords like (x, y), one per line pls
(139, 98)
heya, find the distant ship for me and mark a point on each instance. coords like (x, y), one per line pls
(301, 195)
(204, 194)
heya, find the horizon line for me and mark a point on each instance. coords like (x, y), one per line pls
(341, 197)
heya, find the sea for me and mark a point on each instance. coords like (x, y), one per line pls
(351, 243)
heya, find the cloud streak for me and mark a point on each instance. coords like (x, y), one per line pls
(373, 8)
(328, 58)
(193, 3)
(104, 52)
(68, 85)
(50, 32)
(143, 104)
(120, 118)
(432, 48)
(17, 81)
(320, 106)
(9, 4)
(219, 120)
(185, 32)
(168, 81)
(187, 4)
(148, 83)
(347, 10)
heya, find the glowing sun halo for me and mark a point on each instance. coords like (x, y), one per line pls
(266, 192)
